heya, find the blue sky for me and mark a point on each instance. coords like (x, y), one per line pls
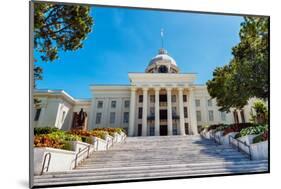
(124, 40)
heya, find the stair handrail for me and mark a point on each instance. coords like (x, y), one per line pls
(231, 138)
(124, 137)
(44, 161)
(214, 137)
(81, 152)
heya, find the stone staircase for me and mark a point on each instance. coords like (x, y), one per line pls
(156, 157)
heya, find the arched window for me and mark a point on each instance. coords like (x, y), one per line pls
(163, 69)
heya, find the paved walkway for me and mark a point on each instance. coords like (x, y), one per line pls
(156, 157)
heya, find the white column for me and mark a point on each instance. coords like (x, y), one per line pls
(157, 119)
(132, 112)
(169, 107)
(144, 112)
(182, 128)
(192, 112)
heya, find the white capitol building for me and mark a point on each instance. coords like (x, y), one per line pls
(160, 101)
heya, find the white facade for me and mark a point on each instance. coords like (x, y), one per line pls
(160, 101)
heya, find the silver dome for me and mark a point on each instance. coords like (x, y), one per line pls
(162, 57)
(162, 63)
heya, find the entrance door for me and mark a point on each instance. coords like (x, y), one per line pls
(163, 130)
(139, 129)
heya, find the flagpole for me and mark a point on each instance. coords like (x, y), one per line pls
(162, 41)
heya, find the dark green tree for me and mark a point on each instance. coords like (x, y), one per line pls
(246, 75)
(59, 27)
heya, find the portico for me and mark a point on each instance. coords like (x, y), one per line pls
(162, 106)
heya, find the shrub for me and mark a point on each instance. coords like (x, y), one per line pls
(67, 146)
(45, 141)
(236, 127)
(44, 130)
(64, 136)
(99, 134)
(261, 137)
(261, 112)
(86, 134)
(81, 132)
(211, 127)
(237, 135)
(255, 130)
(89, 140)
(222, 127)
(56, 139)
(110, 131)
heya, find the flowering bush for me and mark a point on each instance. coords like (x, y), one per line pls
(236, 127)
(99, 134)
(222, 127)
(261, 137)
(54, 138)
(211, 127)
(110, 131)
(62, 135)
(46, 141)
(44, 130)
(81, 132)
(254, 130)
(95, 133)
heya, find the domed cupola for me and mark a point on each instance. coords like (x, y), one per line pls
(162, 63)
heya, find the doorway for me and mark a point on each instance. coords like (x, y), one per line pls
(163, 130)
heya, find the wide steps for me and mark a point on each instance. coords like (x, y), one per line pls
(191, 166)
(156, 157)
(154, 173)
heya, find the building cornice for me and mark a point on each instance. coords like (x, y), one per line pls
(60, 94)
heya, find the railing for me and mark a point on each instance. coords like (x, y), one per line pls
(214, 137)
(151, 117)
(81, 152)
(175, 116)
(107, 143)
(231, 139)
(49, 160)
(162, 104)
(124, 137)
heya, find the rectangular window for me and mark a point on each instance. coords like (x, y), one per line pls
(174, 98)
(163, 114)
(174, 110)
(197, 103)
(140, 98)
(184, 98)
(152, 98)
(139, 129)
(185, 112)
(113, 104)
(152, 110)
(211, 115)
(223, 116)
(127, 104)
(151, 130)
(186, 128)
(98, 118)
(162, 98)
(112, 117)
(210, 102)
(100, 104)
(175, 129)
(37, 114)
(140, 113)
(198, 115)
(126, 117)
